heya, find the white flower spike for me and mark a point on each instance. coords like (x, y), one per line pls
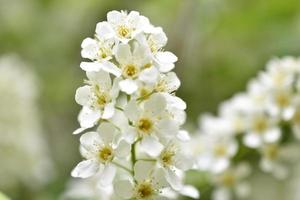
(131, 112)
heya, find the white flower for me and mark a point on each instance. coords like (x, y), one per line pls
(216, 143)
(23, 149)
(136, 65)
(148, 185)
(123, 26)
(217, 151)
(98, 98)
(140, 123)
(270, 161)
(100, 52)
(232, 180)
(164, 60)
(150, 125)
(174, 163)
(101, 151)
(261, 129)
(277, 158)
(88, 189)
(233, 112)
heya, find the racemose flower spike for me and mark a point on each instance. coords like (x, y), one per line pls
(259, 126)
(130, 116)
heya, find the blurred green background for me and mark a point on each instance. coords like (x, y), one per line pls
(220, 45)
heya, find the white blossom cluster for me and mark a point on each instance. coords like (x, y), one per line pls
(261, 124)
(130, 113)
(23, 151)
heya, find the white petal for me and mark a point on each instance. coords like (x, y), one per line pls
(128, 86)
(151, 146)
(252, 140)
(104, 30)
(220, 165)
(89, 48)
(166, 61)
(88, 117)
(159, 37)
(123, 149)
(111, 68)
(173, 179)
(123, 54)
(104, 65)
(168, 127)
(143, 169)
(174, 101)
(124, 189)
(272, 135)
(109, 111)
(132, 110)
(79, 130)
(204, 162)
(155, 104)
(172, 82)
(82, 95)
(159, 178)
(166, 57)
(85, 169)
(108, 174)
(114, 92)
(149, 75)
(119, 119)
(133, 17)
(165, 67)
(107, 132)
(114, 17)
(183, 162)
(90, 66)
(100, 77)
(89, 140)
(184, 136)
(129, 134)
(190, 191)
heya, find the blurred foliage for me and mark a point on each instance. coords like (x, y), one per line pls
(220, 45)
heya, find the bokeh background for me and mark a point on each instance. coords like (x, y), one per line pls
(221, 44)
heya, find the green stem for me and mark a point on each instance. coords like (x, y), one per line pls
(123, 167)
(147, 159)
(133, 156)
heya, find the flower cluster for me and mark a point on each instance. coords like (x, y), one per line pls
(22, 145)
(261, 124)
(130, 114)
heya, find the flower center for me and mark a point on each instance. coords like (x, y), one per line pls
(260, 125)
(161, 86)
(282, 100)
(102, 53)
(106, 154)
(152, 45)
(220, 150)
(130, 71)
(123, 31)
(228, 179)
(144, 190)
(271, 152)
(145, 125)
(102, 97)
(167, 157)
(144, 93)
